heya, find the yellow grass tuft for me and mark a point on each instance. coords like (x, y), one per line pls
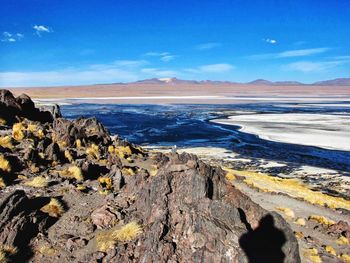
(3, 258)
(17, 131)
(2, 122)
(291, 187)
(287, 211)
(6, 142)
(68, 156)
(4, 164)
(33, 168)
(93, 150)
(123, 151)
(2, 183)
(345, 258)
(154, 170)
(38, 181)
(78, 143)
(343, 241)
(330, 250)
(47, 251)
(54, 208)
(5, 252)
(300, 221)
(322, 220)
(73, 172)
(128, 171)
(298, 234)
(312, 255)
(105, 182)
(33, 128)
(108, 239)
(81, 187)
(230, 176)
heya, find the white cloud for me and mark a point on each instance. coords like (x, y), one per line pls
(156, 72)
(156, 54)
(117, 71)
(311, 66)
(9, 37)
(291, 53)
(163, 56)
(216, 68)
(208, 46)
(39, 29)
(271, 41)
(167, 58)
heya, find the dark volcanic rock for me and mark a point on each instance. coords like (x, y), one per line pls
(12, 109)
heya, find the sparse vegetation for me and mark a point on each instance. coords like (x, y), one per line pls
(312, 255)
(68, 156)
(322, 220)
(342, 240)
(291, 187)
(54, 208)
(38, 181)
(300, 221)
(230, 176)
(93, 150)
(6, 252)
(107, 239)
(154, 170)
(345, 258)
(5, 142)
(17, 131)
(106, 182)
(287, 211)
(330, 250)
(4, 164)
(2, 121)
(72, 172)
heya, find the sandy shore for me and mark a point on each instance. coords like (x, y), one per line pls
(320, 130)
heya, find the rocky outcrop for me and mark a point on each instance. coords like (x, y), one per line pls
(11, 109)
(87, 197)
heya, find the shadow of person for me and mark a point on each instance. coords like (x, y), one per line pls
(264, 244)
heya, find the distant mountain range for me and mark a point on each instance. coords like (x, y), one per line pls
(258, 82)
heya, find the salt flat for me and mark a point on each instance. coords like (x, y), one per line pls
(320, 130)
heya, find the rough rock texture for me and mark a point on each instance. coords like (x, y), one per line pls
(12, 108)
(101, 199)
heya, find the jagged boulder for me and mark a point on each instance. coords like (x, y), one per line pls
(12, 109)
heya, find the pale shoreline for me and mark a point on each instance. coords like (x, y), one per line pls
(318, 130)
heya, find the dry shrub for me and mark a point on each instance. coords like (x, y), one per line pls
(38, 181)
(107, 239)
(4, 164)
(54, 208)
(72, 172)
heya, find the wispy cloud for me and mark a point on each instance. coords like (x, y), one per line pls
(290, 53)
(117, 71)
(163, 56)
(39, 29)
(156, 72)
(11, 37)
(312, 66)
(211, 68)
(270, 41)
(156, 54)
(208, 46)
(167, 58)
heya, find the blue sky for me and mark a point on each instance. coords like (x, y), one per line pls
(60, 42)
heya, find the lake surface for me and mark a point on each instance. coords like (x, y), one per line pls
(190, 126)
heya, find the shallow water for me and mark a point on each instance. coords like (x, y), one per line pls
(189, 126)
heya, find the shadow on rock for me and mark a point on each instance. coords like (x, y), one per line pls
(264, 244)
